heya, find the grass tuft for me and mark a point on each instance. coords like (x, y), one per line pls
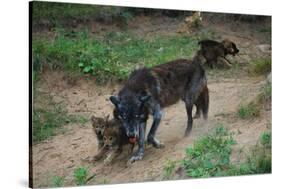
(58, 181)
(210, 155)
(248, 111)
(260, 66)
(80, 175)
(169, 168)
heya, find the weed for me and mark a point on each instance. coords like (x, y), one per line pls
(210, 155)
(169, 168)
(248, 111)
(58, 181)
(80, 175)
(259, 160)
(265, 139)
(260, 66)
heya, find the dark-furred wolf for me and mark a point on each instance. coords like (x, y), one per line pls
(149, 90)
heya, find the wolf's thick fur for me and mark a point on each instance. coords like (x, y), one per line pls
(150, 90)
(213, 51)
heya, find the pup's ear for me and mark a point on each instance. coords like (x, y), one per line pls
(107, 117)
(115, 100)
(93, 118)
(145, 98)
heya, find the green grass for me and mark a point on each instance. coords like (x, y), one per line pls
(260, 66)
(80, 175)
(112, 57)
(265, 139)
(210, 155)
(248, 111)
(169, 167)
(259, 160)
(50, 117)
(57, 181)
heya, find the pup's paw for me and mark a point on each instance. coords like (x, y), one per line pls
(107, 162)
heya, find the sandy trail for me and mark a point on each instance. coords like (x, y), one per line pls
(63, 153)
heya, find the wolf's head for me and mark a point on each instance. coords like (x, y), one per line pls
(230, 47)
(130, 110)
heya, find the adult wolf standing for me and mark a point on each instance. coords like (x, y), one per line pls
(150, 90)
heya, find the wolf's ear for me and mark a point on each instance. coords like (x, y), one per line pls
(115, 100)
(145, 98)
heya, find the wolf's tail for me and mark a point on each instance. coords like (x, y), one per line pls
(205, 102)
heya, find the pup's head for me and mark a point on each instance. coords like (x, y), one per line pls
(99, 124)
(131, 112)
(230, 47)
(110, 135)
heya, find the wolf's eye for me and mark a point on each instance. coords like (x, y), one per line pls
(110, 138)
(136, 116)
(124, 116)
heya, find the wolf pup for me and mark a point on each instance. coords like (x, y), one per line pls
(98, 125)
(150, 90)
(114, 138)
(213, 51)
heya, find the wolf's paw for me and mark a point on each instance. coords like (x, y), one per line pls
(197, 116)
(136, 157)
(155, 143)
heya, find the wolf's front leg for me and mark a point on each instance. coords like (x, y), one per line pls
(140, 152)
(157, 115)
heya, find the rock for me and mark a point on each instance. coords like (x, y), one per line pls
(265, 48)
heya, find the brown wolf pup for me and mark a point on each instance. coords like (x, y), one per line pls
(98, 125)
(213, 51)
(151, 90)
(113, 139)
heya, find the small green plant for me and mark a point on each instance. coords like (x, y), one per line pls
(80, 175)
(169, 168)
(261, 65)
(58, 181)
(248, 111)
(265, 139)
(210, 155)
